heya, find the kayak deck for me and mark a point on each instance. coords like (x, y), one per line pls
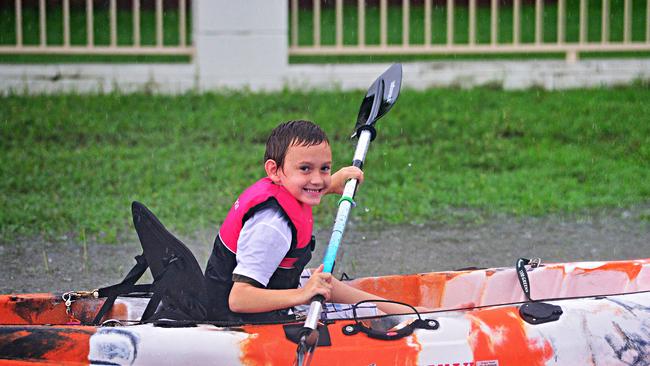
(436, 290)
(472, 288)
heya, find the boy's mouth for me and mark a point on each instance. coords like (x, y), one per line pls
(313, 190)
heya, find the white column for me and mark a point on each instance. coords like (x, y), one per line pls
(241, 43)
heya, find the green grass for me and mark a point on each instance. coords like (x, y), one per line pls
(73, 164)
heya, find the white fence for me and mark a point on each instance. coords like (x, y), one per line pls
(90, 47)
(554, 12)
(247, 44)
(624, 12)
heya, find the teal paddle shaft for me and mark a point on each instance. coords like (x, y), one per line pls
(380, 98)
(345, 206)
(345, 203)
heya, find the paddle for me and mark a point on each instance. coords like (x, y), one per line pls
(379, 99)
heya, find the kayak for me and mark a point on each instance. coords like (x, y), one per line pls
(579, 313)
(601, 317)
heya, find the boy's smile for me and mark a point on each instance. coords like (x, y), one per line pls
(305, 173)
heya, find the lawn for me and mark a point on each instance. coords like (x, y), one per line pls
(73, 163)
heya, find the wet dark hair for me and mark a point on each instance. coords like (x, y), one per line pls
(297, 133)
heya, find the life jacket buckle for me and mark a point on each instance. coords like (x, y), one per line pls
(312, 243)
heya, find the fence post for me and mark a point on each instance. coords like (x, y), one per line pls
(240, 44)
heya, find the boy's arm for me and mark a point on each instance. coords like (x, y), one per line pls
(246, 298)
(342, 176)
(346, 294)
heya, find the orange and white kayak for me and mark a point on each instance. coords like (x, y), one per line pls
(604, 320)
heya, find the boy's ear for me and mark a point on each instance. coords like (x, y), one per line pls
(272, 170)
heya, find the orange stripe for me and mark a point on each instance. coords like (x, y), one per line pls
(631, 268)
(425, 289)
(268, 345)
(500, 334)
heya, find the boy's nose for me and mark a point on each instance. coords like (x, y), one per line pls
(316, 178)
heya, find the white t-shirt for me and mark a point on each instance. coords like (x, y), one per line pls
(264, 240)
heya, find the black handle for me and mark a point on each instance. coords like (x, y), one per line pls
(319, 298)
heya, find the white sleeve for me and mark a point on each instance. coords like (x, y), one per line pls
(263, 242)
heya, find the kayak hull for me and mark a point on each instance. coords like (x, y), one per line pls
(605, 320)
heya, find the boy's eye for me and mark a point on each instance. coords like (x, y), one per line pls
(325, 169)
(304, 168)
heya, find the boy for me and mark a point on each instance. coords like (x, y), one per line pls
(266, 239)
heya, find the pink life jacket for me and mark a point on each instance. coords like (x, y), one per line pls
(254, 198)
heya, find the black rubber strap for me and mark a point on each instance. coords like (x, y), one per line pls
(173, 267)
(391, 334)
(152, 306)
(522, 274)
(370, 128)
(319, 298)
(126, 286)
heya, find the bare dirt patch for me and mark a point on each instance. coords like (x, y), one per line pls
(36, 265)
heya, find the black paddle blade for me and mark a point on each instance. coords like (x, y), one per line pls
(380, 98)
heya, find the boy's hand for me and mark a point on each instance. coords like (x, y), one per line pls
(342, 176)
(319, 284)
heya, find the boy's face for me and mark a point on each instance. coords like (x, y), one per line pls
(306, 172)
